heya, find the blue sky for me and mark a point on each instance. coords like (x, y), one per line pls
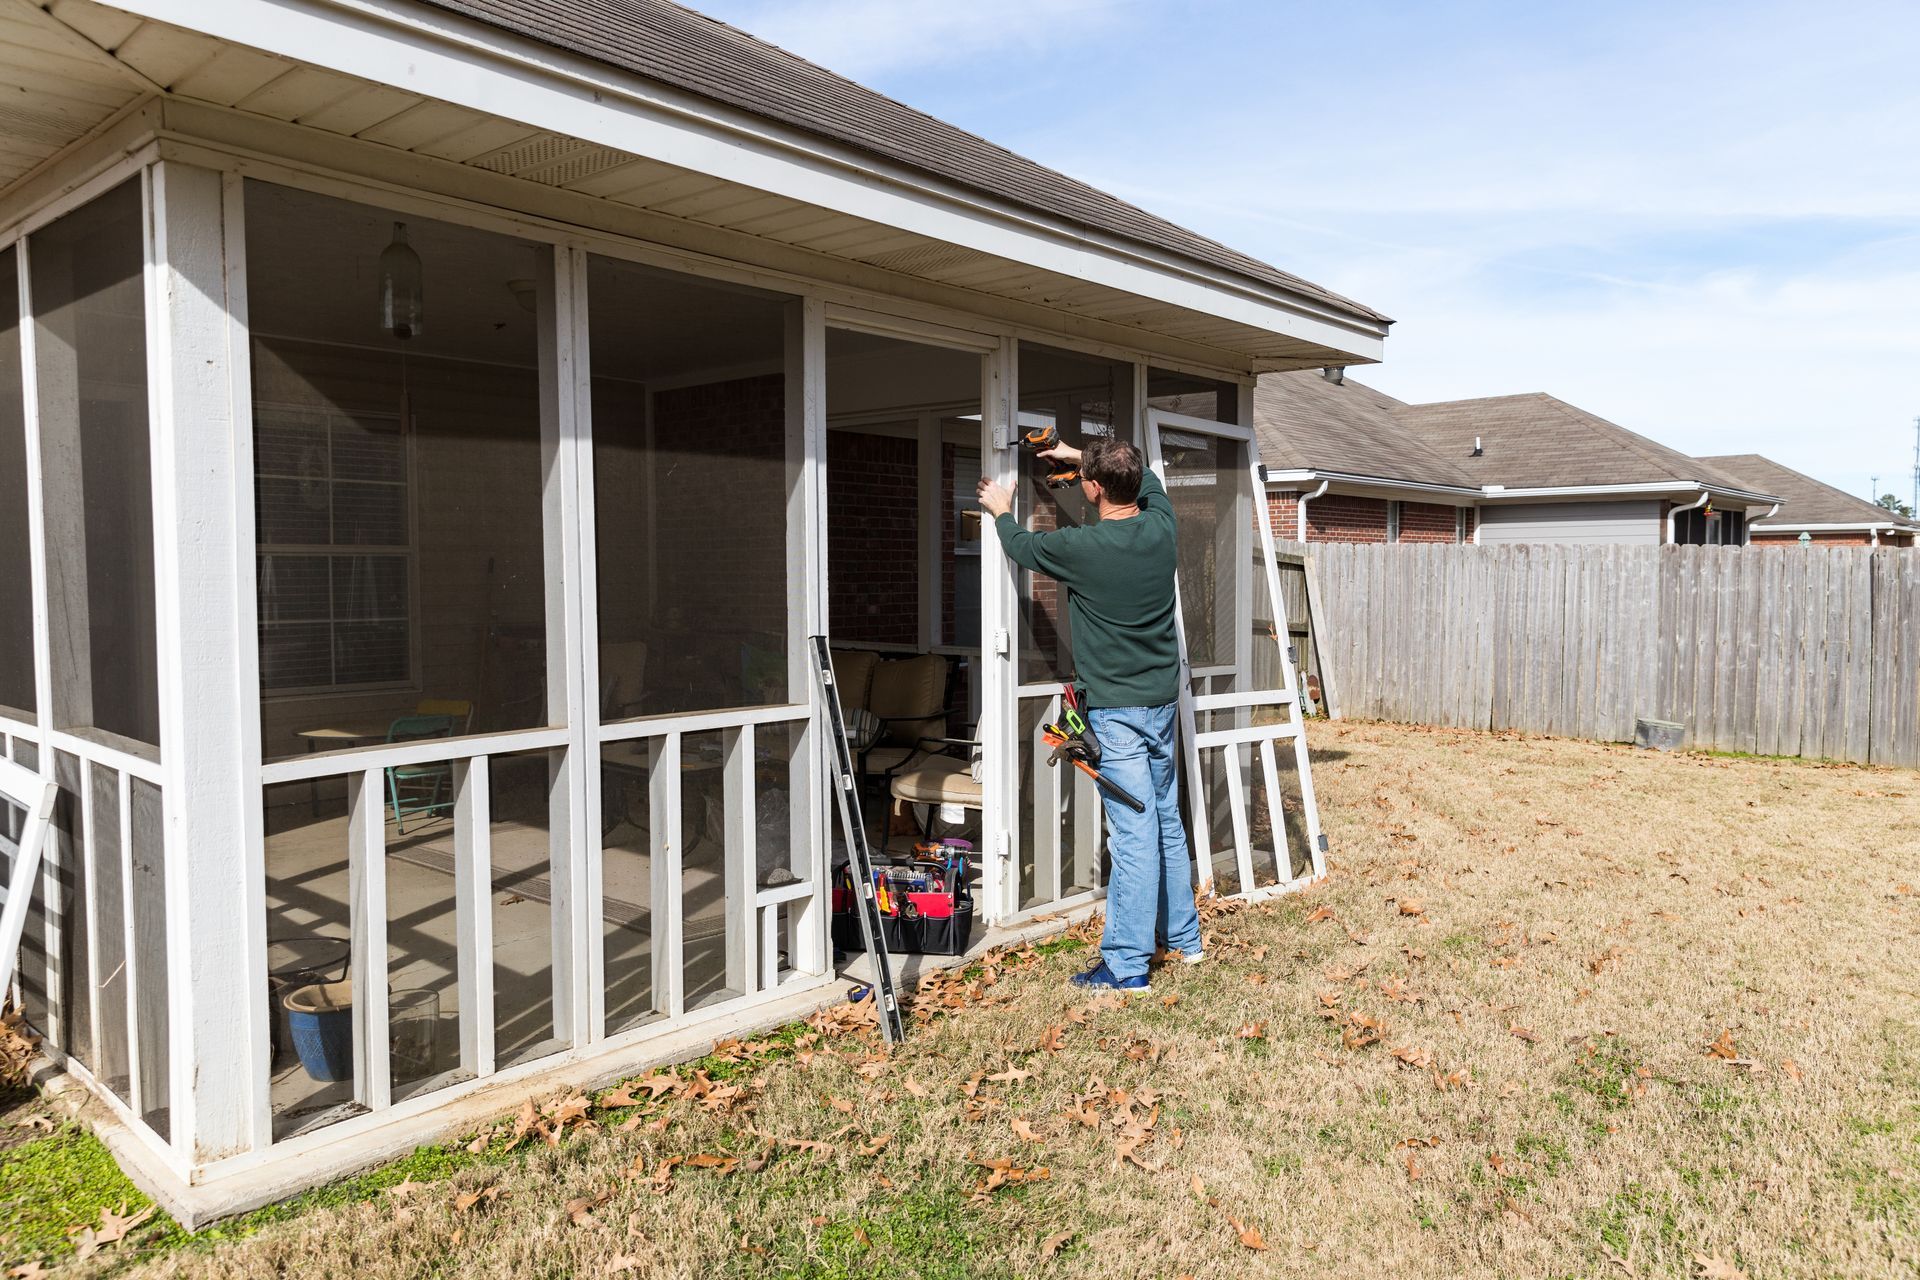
(1699, 220)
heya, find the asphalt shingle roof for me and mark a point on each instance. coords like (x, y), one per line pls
(1307, 422)
(1536, 441)
(689, 51)
(1806, 500)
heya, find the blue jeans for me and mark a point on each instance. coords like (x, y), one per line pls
(1150, 890)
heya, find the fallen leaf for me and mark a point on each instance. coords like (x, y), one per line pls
(1053, 1039)
(1012, 1075)
(1723, 1047)
(876, 1146)
(917, 1089)
(1252, 1031)
(466, 1200)
(1319, 913)
(1715, 1267)
(1024, 1129)
(841, 1105)
(1412, 907)
(1413, 1168)
(1053, 1244)
(624, 1262)
(1791, 1069)
(1519, 1032)
(1249, 1236)
(113, 1226)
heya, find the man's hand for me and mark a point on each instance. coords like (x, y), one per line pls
(1062, 452)
(994, 498)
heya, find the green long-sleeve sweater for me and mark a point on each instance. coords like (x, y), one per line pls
(1120, 601)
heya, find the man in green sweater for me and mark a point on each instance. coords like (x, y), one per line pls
(1119, 575)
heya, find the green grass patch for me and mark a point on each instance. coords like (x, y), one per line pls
(65, 1179)
(1635, 1205)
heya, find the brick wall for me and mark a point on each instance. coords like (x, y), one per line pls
(1472, 522)
(873, 547)
(1338, 518)
(1283, 514)
(1424, 522)
(721, 490)
(1335, 517)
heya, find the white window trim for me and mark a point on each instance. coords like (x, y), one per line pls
(411, 552)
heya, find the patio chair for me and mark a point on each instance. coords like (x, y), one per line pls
(460, 709)
(419, 788)
(907, 695)
(942, 775)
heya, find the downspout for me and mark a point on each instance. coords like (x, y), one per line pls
(1300, 509)
(1673, 516)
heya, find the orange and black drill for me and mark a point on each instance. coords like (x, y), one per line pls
(1073, 742)
(1046, 437)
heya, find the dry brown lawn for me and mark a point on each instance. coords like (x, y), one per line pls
(1560, 1010)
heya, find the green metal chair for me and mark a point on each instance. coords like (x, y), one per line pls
(419, 788)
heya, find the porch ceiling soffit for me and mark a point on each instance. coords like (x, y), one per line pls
(336, 66)
(56, 88)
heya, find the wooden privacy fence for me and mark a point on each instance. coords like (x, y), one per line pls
(1778, 651)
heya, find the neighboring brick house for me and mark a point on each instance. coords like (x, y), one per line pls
(1552, 472)
(1825, 515)
(1341, 468)
(1347, 463)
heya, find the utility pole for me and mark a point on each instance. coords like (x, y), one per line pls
(1915, 502)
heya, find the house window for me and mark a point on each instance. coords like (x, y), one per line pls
(1705, 527)
(334, 554)
(1393, 522)
(1460, 524)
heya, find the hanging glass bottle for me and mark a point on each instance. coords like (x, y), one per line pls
(401, 294)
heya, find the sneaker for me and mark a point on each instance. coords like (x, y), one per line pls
(1192, 957)
(1166, 955)
(1101, 978)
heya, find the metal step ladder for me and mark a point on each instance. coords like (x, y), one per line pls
(859, 855)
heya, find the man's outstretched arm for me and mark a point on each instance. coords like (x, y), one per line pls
(1040, 552)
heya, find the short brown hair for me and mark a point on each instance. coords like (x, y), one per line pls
(1114, 465)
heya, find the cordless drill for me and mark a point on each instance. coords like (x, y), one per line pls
(1061, 475)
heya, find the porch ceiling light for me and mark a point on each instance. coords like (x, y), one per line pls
(401, 295)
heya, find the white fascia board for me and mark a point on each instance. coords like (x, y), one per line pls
(453, 59)
(1345, 480)
(1499, 493)
(1787, 526)
(1656, 488)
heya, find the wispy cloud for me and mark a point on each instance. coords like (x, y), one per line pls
(1695, 217)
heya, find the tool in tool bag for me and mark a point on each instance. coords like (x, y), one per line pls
(1062, 474)
(925, 905)
(1081, 749)
(859, 855)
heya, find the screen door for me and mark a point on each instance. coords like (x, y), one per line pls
(1248, 791)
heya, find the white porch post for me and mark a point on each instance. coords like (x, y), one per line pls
(999, 704)
(215, 884)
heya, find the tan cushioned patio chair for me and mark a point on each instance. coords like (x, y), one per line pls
(909, 695)
(938, 780)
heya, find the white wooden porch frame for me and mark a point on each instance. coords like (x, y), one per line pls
(33, 794)
(221, 1111)
(1234, 740)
